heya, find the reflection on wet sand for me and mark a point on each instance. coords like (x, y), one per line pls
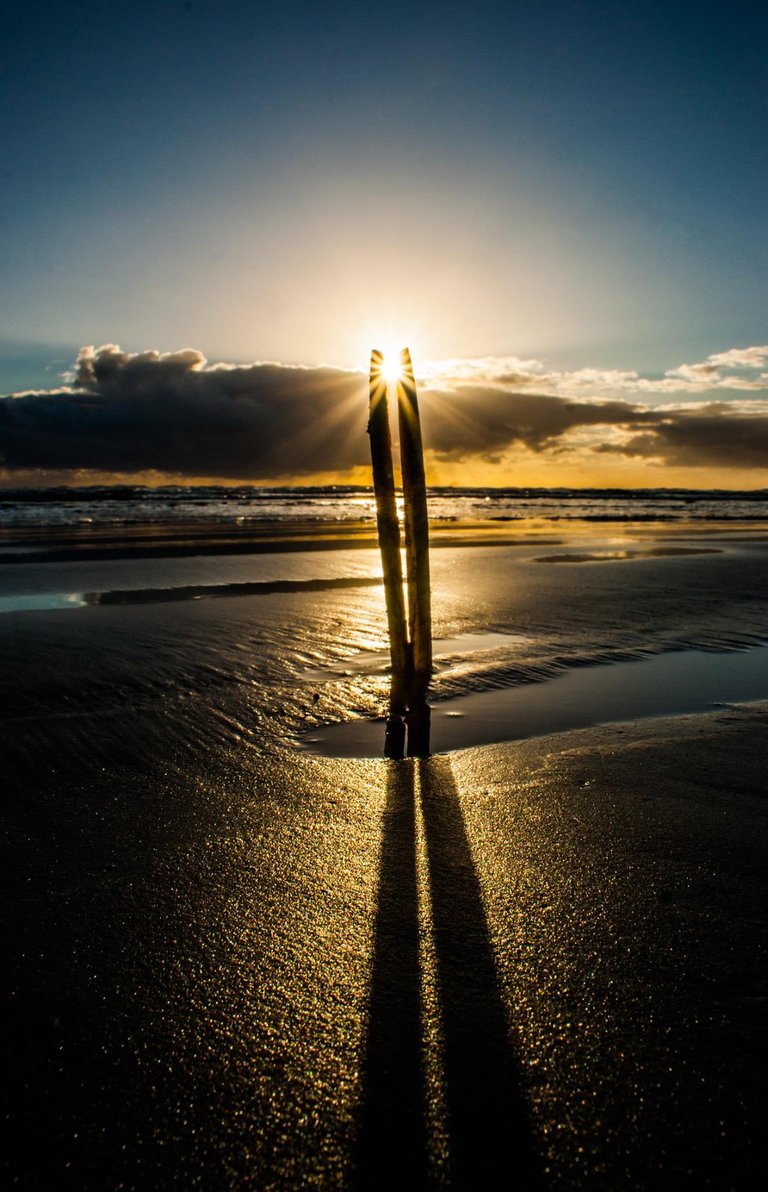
(613, 556)
(592, 690)
(484, 1141)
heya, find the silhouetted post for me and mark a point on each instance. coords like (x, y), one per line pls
(416, 519)
(418, 718)
(386, 515)
(394, 732)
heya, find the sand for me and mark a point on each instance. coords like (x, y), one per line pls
(231, 963)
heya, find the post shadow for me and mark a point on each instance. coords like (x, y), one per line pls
(488, 1130)
(488, 1124)
(391, 1135)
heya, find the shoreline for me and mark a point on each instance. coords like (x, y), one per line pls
(657, 687)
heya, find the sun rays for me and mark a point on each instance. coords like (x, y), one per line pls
(387, 364)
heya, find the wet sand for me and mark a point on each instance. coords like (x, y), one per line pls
(232, 964)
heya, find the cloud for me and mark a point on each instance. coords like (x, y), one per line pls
(134, 412)
(741, 358)
(528, 374)
(725, 370)
(714, 435)
(486, 421)
(129, 414)
(734, 369)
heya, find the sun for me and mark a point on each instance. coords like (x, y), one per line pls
(391, 366)
(393, 363)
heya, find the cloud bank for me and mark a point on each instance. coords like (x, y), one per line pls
(174, 413)
(737, 370)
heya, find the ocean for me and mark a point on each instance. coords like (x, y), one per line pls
(245, 504)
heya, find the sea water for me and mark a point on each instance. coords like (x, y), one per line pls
(243, 504)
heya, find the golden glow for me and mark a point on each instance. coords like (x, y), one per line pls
(391, 357)
(391, 365)
(391, 369)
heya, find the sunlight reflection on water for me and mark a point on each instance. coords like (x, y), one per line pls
(669, 684)
(42, 601)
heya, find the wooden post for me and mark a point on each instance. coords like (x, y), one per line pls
(395, 728)
(416, 520)
(386, 516)
(418, 717)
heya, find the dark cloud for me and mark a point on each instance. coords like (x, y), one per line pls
(130, 413)
(712, 436)
(486, 420)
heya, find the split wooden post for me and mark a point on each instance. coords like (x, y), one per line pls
(416, 520)
(386, 516)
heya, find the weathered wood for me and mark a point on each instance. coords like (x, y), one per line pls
(386, 516)
(415, 518)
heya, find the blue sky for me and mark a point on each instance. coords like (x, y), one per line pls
(579, 183)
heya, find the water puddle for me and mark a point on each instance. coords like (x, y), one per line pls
(668, 684)
(41, 602)
(612, 556)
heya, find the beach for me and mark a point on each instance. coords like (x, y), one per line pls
(235, 962)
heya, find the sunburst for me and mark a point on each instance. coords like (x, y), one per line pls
(390, 363)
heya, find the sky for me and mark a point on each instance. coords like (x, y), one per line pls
(560, 208)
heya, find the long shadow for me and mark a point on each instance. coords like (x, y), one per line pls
(490, 1141)
(391, 1138)
(487, 1126)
